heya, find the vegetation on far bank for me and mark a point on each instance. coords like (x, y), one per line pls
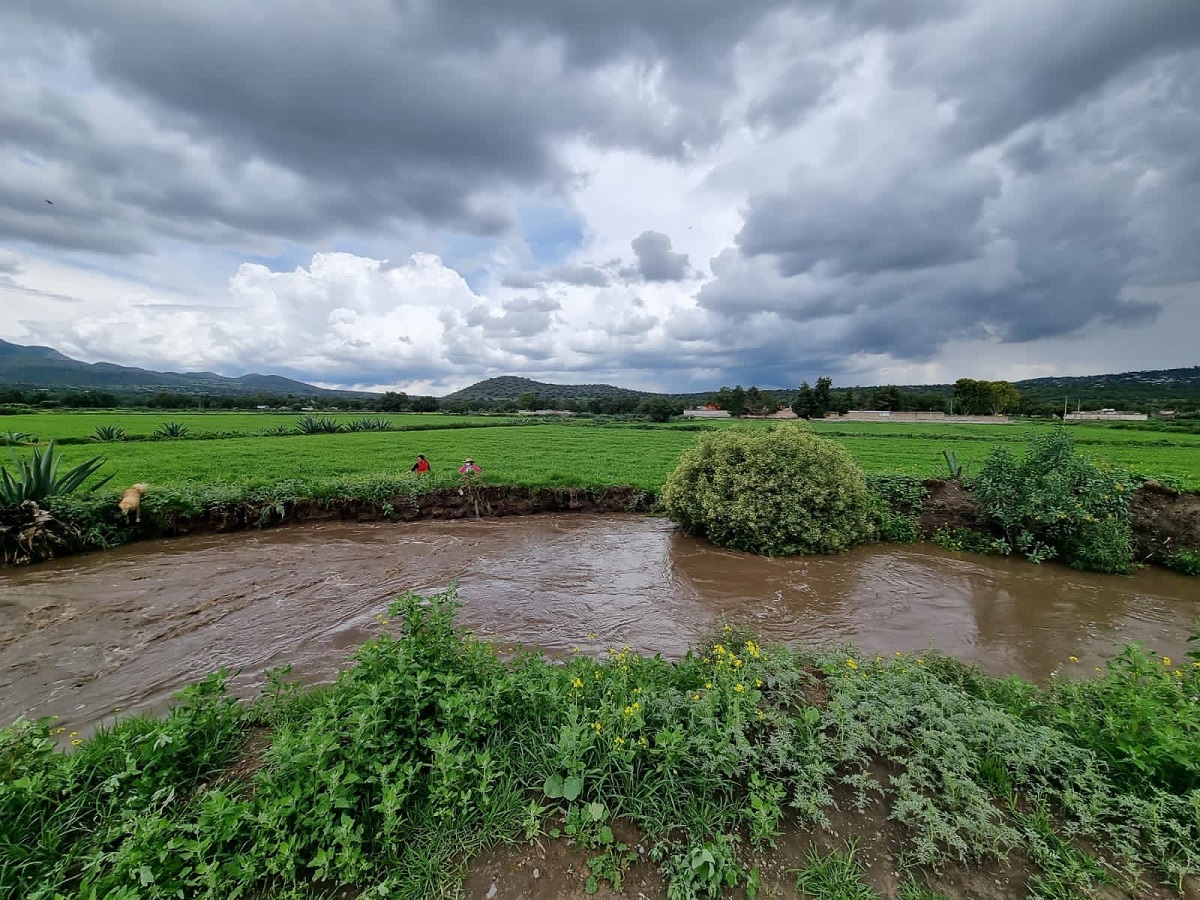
(584, 452)
(432, 747)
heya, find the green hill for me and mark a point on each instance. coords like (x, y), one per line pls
(43, 367)
(510, 387)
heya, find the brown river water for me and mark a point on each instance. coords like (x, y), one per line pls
(82, 636)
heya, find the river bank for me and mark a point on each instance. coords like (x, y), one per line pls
(681, 778)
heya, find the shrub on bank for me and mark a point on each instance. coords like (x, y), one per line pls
(1053, 502)
(774, 492)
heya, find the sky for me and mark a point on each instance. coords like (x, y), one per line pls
(661, 194)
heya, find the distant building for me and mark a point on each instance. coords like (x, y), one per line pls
(545, 412)
(785, 413)
(1106, 415)
(887, 415)
(706, 412)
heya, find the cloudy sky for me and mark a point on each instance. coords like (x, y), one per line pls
(664, 194)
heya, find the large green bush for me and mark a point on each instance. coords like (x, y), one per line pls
(1052, 502)
(773, 492)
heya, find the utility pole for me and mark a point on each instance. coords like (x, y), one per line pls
(1065, 399)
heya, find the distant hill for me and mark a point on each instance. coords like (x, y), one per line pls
(510, 387)
(43, 367)
(1158, 387)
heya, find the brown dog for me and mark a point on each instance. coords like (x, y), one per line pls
(131, 502)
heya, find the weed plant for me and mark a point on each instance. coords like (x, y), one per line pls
(1053, 502)
(431, 747)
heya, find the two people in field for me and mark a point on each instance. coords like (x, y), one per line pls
(467, 468)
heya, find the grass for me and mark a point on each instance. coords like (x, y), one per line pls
(58, 425)
(432, 747)
(580, 453)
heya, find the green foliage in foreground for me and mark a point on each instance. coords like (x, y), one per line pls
(39, 477)
(775, 492)
(1053, 502)
(431, 747)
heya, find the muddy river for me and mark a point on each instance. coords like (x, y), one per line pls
(83, 636)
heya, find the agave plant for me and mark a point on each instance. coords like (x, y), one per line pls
(106, 434)
(956, 469)
(17, 438)
(40, 478)
(318, 425)
(171, 430)
(370, 424)
(276, 431)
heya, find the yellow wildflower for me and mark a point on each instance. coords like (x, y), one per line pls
(576, 682)
(591, 634)
(1073, 658)
(76, 742)
(637, 690)
(761, 715)
(852, 664)
(739, 687)
(1167, 661)
(596, 726)
(758, 682)
(597, 676)
(695, 696)
(1178, 674)
(619, 741)
(708, 684)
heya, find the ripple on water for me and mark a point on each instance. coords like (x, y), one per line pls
(130, 627)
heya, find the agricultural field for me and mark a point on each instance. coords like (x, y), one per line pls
(58, 425)
(582, 453)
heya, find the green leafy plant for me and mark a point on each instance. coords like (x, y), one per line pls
(171, 431)
(107, 434)
(17, 438)
(774, 492)
(897, 503)
(1053, 502)
(39, 477)
(370, 424)
(1185, 561)
(956, 470)
(318, 425)
(970, 541)
(833, 877)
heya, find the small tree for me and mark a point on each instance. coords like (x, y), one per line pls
(775, 492)
(659, 409)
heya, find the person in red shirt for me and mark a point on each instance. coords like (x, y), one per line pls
(421, 465)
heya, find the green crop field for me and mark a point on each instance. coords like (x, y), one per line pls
(582, 453)
(58, 425)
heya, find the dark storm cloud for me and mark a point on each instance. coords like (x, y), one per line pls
(917, 219)
(655, 261)
(1058, 184)
(317, 117)
(569, 273)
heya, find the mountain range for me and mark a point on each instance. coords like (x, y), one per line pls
(43, 367)
(34, 367)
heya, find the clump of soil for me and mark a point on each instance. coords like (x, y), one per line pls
(29, 533)
(949, 506)
(1164, 521)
